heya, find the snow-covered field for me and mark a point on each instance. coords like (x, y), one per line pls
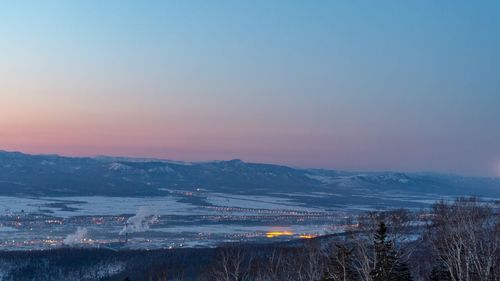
(182, 218)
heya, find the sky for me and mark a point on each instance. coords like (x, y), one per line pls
(351, 85)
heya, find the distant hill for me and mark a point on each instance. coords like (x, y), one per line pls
(53, 175)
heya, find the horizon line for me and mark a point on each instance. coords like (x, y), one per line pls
(173, 161)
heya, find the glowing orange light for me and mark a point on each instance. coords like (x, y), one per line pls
(272, 234)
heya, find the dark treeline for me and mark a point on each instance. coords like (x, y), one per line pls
(458, 241)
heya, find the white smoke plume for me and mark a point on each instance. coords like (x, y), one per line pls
(140, 222)
(77, 237)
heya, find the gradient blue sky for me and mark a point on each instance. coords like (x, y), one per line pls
(364, 85)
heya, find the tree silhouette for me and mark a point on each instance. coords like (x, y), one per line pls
(384, 260)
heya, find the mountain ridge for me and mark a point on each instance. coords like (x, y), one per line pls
(54, 175)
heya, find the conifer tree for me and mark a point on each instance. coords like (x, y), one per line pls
(384, 258)
(388, 267)
(401, 272)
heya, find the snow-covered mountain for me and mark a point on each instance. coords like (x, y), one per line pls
(52, 175)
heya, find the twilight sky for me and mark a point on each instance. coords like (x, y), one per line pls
(375, 85)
